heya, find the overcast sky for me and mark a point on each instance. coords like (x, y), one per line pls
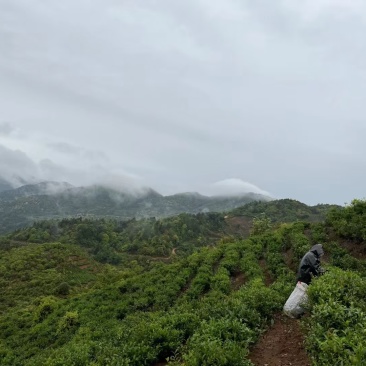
(211, 96)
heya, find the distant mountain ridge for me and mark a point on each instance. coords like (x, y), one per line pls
(22, 206)
(34, 189)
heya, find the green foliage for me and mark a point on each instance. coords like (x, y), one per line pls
(39, 270)
(59, 306)
(221, 281)
(114, 242)
(336, 328)
(63, 289)
(231, 258)
(250, 267)
(285, 210)
(262, 224)
(319, 233)
(44, 307)
(300, 245)
(341, 258)
(219, 342)
(139, 317)
(350, 221)
(68, 321)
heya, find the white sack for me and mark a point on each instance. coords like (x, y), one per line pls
(298, 297)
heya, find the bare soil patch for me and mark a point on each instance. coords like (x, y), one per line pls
(356, 250)
(289, 259)
(237, 281)
(267, 276)
(281, 345)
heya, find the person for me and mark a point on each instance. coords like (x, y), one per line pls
(310, 264)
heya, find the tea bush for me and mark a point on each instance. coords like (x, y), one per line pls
(336, 333)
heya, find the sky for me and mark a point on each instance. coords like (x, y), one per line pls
(212, 96)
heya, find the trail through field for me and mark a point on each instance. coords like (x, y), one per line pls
(281, 345)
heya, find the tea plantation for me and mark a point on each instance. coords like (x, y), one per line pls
(177, 291)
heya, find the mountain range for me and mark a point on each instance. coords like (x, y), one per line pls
(22, 206)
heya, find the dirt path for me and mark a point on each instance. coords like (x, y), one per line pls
(281, 345)
(267, 276)
(174, 252)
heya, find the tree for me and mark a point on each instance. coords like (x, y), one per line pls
(261, 224)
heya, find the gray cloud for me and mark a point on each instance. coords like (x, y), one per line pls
(95, 156)
(79, 152)
(18, 168)
(184, 94)
(65, 148)
(6, 128)
(15, 165)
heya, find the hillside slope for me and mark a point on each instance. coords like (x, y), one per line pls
(205, 306)
(22, 206)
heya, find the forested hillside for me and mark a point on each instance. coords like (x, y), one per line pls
(285, 210)
(113, 241)
(189, 290)
(52, 200)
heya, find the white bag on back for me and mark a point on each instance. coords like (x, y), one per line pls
(298, 297)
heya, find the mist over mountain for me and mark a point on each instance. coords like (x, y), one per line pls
(10, 193)
(4, 185)
(46, 200)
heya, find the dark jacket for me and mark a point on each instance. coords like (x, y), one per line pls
(310, 264)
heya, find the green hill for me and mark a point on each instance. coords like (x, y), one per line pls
(185, 290)
(285, 210)
(51, 200)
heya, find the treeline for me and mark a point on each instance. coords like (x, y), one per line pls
(285, 210)
(109, 240)
(350, 221)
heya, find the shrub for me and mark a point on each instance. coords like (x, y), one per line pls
(45, 307)
(63, 289)
(68, 321)
(336, 333)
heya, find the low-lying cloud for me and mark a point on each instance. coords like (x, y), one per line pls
(234, 186)
(18, 168)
